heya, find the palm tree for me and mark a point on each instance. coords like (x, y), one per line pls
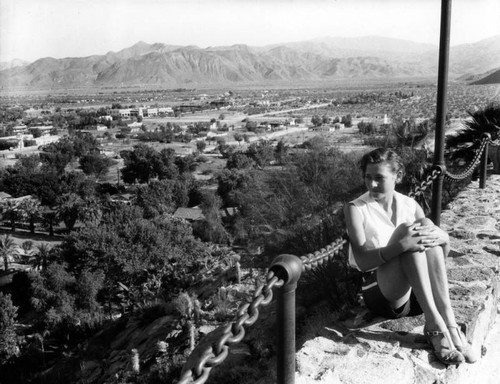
(32, 211)
(408, 133)
(7, 245)
(41, 256)
(50, 219)
(11, 212)
(466, 142)
(25, 253)
(69, 209)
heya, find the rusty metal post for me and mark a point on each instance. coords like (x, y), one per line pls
(483, 167)
(444, 48)
(288, 268)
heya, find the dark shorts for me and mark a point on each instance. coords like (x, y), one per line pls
(378, 304)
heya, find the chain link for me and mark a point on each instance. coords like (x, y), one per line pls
(216, 352)
(312, 260)
(475, 162)
(420, 189)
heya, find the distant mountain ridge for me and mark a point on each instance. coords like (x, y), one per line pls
(491, 78)
(12, 64)
(315, 60)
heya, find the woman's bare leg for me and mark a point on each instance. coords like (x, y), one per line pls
(413, 269)
(423, 272)
(410, 270)
(439, 283)
(440, 289)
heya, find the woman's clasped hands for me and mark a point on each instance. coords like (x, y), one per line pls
(418, 237)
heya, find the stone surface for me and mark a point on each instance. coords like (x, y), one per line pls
(362, 349)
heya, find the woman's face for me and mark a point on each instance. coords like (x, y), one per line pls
(380, 180)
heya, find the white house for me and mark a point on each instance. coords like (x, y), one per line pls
(135, 126)
(138, 112)
(165, 110)
(44, 129)
(21, 128)
(124, 112)
(152, 112)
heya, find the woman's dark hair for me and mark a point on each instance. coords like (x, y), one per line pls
(381, 155)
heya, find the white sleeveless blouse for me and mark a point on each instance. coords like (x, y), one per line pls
(377, 225)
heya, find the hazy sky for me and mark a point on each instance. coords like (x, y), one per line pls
(31, 29)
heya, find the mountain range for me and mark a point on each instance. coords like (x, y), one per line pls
(314, 60)
(12, 64)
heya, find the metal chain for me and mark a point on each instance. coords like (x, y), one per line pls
(475, 162)
(420, 189)
(248, 313)
(494, 143)
(215, 353)
(312, 260)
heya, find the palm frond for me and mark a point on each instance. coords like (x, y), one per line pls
(466, 141)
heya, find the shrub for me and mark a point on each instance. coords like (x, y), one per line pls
(377, 141)
(7, 144)
(8, 337)
(366, 128)
(222, 305)
(465, 143)
(65, 302)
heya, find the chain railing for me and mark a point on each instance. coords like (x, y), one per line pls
(284, 274)
(212, 351)
(313, 260)
(473, 165)
(214, 348)
(425, 184)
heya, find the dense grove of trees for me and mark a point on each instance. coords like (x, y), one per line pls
(274, 203)
(114, 257)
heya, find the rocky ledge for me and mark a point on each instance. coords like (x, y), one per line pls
(362, 349)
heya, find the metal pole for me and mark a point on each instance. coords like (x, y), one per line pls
(483, 169)
(444, 47)
(288, 268)
(286, 334)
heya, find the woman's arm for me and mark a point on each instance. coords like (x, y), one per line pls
(432, 235)
(368, 259)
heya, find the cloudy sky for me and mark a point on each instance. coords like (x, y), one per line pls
(31, 29)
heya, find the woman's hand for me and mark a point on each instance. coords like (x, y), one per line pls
(418, 237)
(430, 235)
(407, 236)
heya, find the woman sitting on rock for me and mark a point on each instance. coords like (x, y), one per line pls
(403, 256)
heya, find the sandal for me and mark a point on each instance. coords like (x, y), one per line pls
(444, 354)
(464, 348)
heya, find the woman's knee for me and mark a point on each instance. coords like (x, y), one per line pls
(413, 259)
(412, 255)
(424, 221)
(435, 252)
(393, 283)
